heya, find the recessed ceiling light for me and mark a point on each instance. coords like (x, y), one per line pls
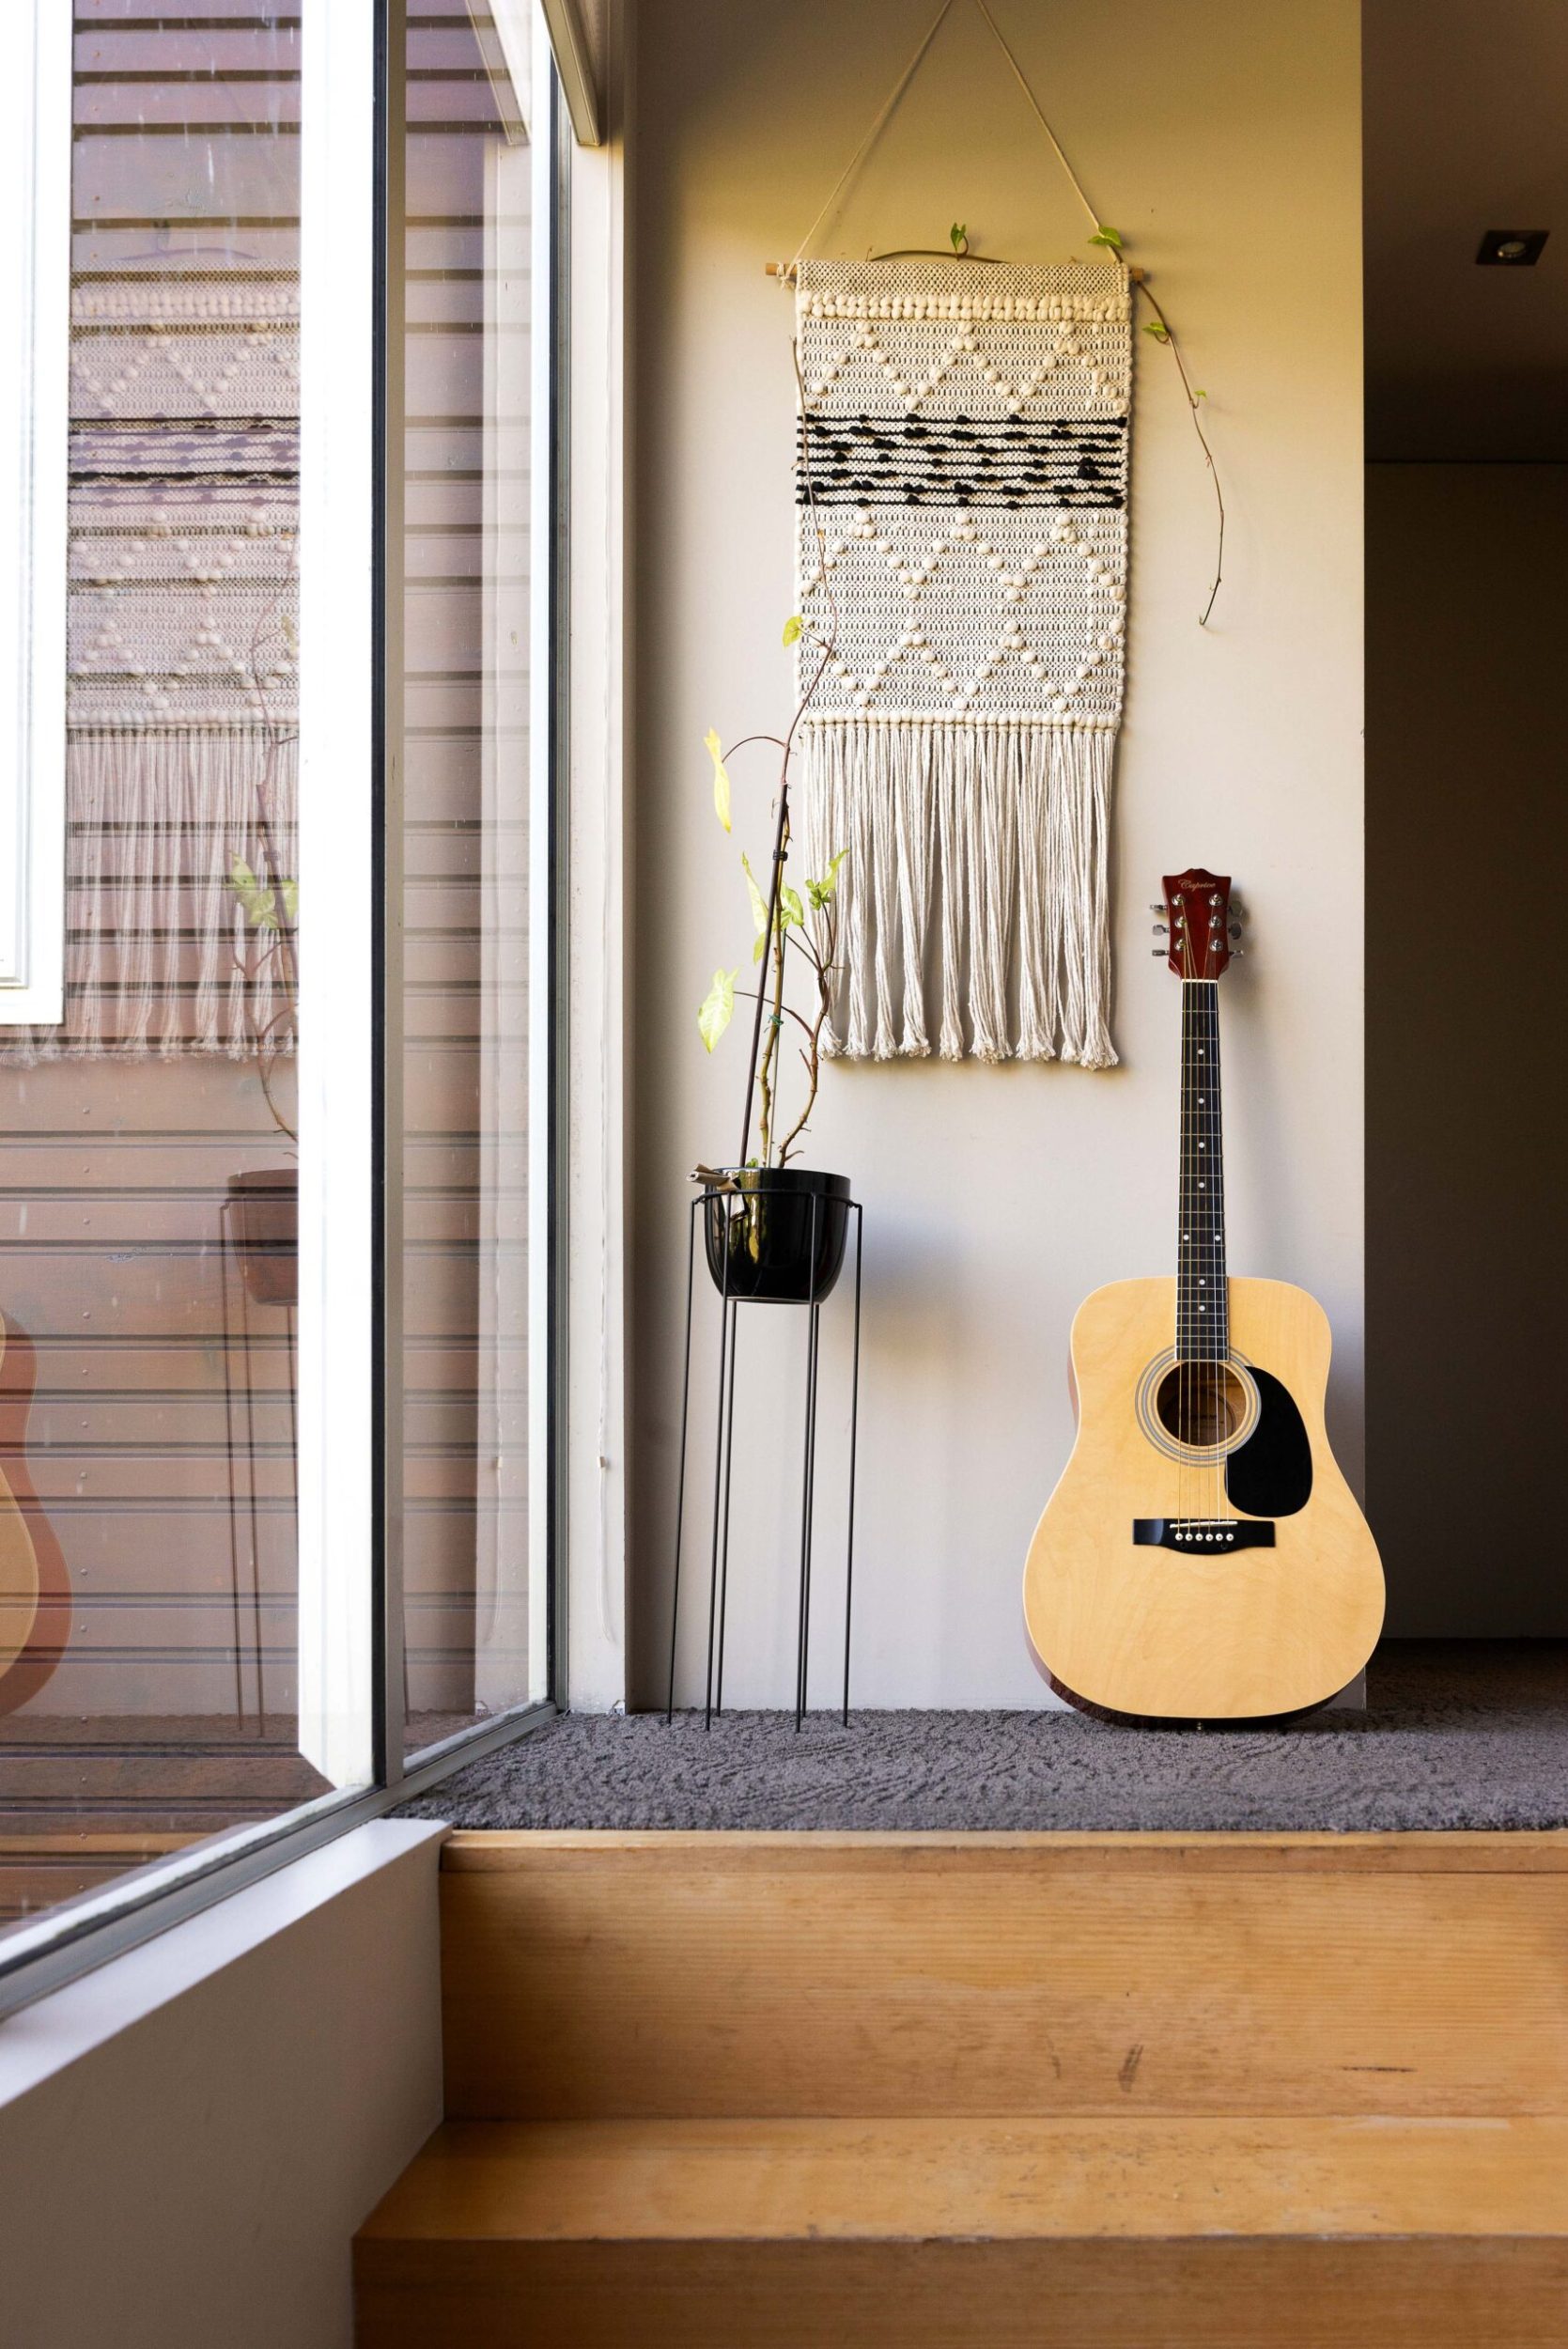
(1512, 248)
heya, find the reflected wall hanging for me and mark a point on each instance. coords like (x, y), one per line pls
(962, 501)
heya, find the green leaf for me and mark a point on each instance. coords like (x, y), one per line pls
(720, 777)
(820, 891)
(958, 235)
(1107, 237)
(1157, 328)
(717, 1008)
(759, 903)
(290, 892)
(258, 905)
(1200, 395)
(792, 629)
(792, 913)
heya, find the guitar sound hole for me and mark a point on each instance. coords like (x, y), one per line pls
(1201, 1404)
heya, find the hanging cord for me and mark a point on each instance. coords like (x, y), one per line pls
(1160, 326)
(1022, 80)
(873, 134)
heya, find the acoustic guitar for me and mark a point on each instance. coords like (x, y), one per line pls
(35, 1586)
(1203, 1558)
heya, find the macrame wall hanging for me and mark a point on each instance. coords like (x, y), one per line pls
(962, 476)
(181, 746)
(961, 487)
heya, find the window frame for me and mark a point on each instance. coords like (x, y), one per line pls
(86, 1932)
(35, 402)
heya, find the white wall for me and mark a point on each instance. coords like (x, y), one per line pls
(1222, 140)
(189, 2136)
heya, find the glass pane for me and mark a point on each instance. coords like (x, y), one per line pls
(475, 1639)
(149, 1687)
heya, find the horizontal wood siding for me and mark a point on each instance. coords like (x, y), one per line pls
(161, 1439)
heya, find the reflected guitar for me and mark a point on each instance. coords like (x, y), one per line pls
(35, 1588)
(1202, 1559)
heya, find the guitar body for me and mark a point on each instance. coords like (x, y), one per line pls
(1133, 1606)
(35, 1586)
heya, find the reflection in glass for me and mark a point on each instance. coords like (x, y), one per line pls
(148, 1192)
(473, 1593)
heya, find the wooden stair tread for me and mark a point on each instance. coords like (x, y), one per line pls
(506, 2183)
(503, 1851)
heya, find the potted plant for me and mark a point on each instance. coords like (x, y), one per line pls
(775, 1230)
(264, 1202)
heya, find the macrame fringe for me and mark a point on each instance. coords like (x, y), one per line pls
(160, 957)
(973, 896)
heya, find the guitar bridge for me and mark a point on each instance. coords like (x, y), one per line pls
(1208, 1534)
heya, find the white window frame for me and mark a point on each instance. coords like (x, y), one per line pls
(35, 401)
(338, 1327)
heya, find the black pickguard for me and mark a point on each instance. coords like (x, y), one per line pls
(1270, 1475)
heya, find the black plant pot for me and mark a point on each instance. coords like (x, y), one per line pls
(759, 1243)
(264, 1233)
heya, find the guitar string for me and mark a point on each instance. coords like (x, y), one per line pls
(1184, 1297)
(1217, 1223)
(1213, 1229)
(1185, 1389)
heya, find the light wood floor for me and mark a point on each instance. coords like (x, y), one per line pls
(920, 2090)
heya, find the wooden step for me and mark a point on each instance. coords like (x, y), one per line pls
(611, 1976)
(1307, 2233)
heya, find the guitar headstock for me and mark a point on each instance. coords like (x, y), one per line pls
(1200, 923)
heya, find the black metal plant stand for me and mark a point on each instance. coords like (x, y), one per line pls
(759, 1187)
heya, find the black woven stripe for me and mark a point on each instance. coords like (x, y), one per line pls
(1004, 461)
(1006, 501)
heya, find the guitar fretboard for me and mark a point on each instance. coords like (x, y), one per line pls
(1202, 1318)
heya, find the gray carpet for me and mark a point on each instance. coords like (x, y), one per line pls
(1453, 1737)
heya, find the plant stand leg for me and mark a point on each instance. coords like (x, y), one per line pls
(233, 1490)
(854, 1440)
(808, 1483)
(249, 1406)
(697, 1205)
(717, 1471)
(724, 1542)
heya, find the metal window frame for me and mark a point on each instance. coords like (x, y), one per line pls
(82, 1934)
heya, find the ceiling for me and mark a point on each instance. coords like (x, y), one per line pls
(1466, 129)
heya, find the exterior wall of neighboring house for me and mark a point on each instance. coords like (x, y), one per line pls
(160, 1441)
(1223, 143)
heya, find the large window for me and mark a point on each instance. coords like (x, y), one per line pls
(476, 244)
(275, 1274)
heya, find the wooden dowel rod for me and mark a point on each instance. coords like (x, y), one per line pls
(787, 268)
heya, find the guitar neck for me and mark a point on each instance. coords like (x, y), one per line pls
(1202, 1310)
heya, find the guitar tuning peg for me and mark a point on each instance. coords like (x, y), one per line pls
(1236, 930)
(1236, 950)
(1160, 930)
(1156, 908)
(1161, 952)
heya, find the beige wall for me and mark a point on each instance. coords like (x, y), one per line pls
(1223, 141)
(191, 2136)
(1466, 1127)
